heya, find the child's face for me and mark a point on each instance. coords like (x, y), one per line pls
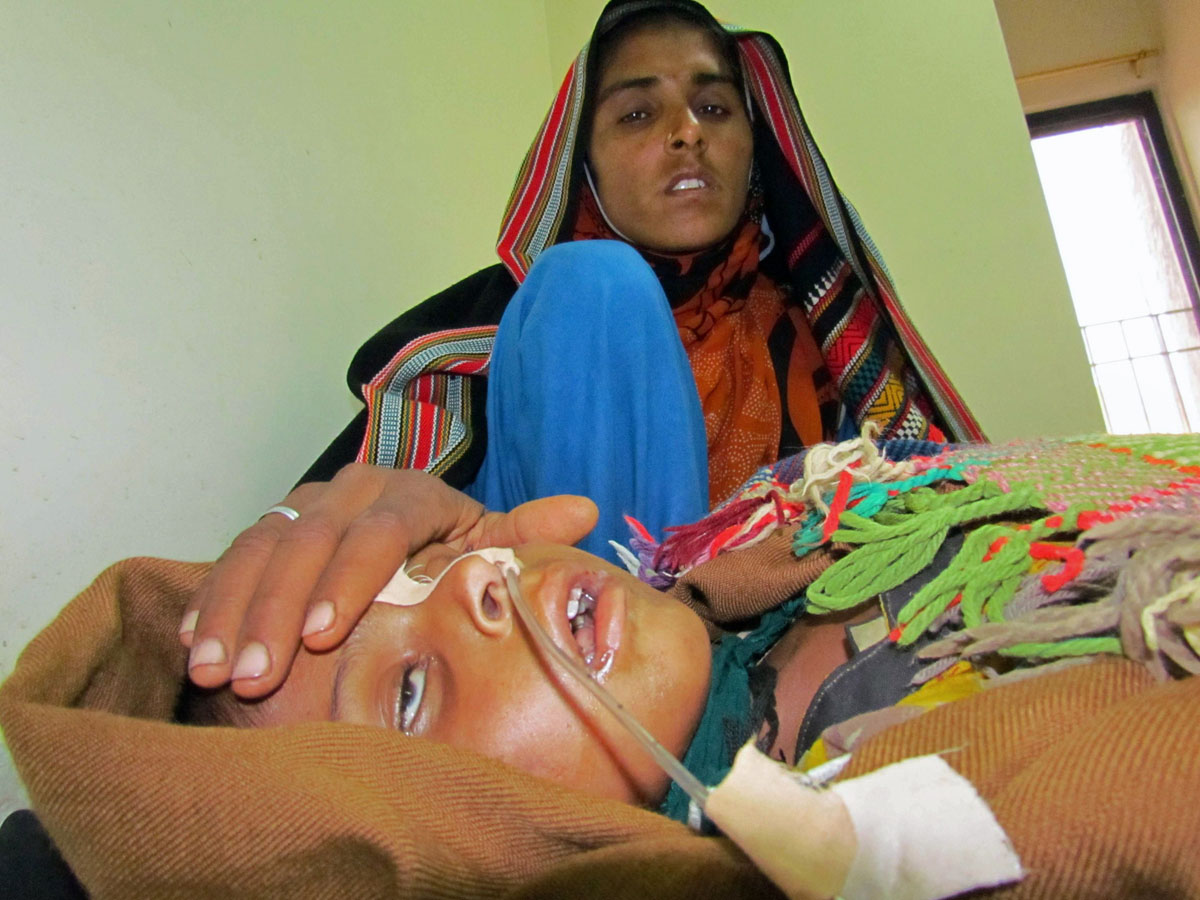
(461, 668)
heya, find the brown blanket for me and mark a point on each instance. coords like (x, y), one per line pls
(1092, 771)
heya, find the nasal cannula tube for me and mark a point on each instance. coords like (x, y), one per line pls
(673, 767)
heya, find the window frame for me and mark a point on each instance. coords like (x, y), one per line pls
(1169, 186)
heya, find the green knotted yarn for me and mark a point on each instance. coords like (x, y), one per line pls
(1084, 646)
(984, 575)
(903, 538)
(867, 499)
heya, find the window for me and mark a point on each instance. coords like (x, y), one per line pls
(1130, 252)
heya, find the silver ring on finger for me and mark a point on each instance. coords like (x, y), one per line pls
(283, 511)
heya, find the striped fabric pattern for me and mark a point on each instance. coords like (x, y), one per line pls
(419, 403)
(538, 201)
(769, 84)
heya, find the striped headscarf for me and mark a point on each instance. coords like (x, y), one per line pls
(420, 412)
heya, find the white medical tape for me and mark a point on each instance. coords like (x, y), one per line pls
(923, 833)
(404, 590)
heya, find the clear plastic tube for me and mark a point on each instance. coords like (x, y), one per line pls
(673, 767)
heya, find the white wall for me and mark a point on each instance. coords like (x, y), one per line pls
(204, 209)
(1051, 34)
(914, 106)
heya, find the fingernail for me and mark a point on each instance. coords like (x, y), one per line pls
(253, 662)
(209, 652)
(320, 617)
(189, 622)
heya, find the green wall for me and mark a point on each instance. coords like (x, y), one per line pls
(205, 207)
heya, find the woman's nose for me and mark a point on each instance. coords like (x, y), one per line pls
(685, 131)
(480, 588)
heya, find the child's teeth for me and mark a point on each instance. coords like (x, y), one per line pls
(572, 608)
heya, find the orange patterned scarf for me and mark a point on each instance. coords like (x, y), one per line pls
(726, 310)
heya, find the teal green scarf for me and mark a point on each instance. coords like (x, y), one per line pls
(726, 723)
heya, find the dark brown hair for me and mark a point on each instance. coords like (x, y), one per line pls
(215, 706)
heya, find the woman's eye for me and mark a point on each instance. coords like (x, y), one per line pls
(638, 115)
(408, 703)
(713, 110)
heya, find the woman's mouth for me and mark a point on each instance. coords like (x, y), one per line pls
(688, 181)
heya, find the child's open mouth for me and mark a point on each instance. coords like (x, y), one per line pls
(595, 612)
(580, 604)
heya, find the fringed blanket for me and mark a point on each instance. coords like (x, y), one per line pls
(1073, 548)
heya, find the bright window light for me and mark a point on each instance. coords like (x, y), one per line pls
(1124, 242)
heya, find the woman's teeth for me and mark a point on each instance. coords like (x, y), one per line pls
(688, 184)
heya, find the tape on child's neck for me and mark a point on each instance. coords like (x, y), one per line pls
(409, 590)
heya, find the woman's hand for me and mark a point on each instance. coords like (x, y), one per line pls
(283, 581)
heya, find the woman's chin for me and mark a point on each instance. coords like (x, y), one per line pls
(684, 235)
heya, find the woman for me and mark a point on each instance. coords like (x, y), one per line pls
(762, 262)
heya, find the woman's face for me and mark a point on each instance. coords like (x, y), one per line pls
(460, 668)
(670, 144)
